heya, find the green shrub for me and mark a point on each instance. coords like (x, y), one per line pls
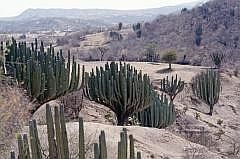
(169, 57)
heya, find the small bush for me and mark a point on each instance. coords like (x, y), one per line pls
(219, 121)
(236, 72)
(197, 116)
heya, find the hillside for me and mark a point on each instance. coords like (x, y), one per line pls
(214, 24)
(179, 141)
(81, 19)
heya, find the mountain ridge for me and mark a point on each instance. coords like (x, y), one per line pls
(81, 19)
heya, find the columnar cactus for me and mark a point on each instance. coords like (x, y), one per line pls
(159, 115)
(81, 140)
(102, 146)
(207, 87)
(132, 153)
(120, 87)
(34, 140)
(51, 133)
(58, 143)
(123, 146)
(171, 87)
(44, 74)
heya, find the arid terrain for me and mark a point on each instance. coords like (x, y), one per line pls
(184, 139)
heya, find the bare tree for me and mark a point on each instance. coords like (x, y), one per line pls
(102, 51)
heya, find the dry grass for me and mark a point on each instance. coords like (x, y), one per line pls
(13, 113)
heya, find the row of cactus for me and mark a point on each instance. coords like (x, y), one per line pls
(207, 87)
(58, 141)
(121, 88)
(160, 114)
(42, 73)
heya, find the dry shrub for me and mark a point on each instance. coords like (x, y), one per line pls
(73, 103)
(14, 108)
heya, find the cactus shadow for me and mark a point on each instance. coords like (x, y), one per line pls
(165, 70)
(154, 63)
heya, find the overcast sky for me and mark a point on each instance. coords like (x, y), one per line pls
(15, 7)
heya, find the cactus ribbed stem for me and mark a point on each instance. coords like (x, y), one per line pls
(81, 140)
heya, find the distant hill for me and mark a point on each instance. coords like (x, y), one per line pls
(80, 19)
(215, 25)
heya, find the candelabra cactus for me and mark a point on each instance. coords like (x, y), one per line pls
(207, 87)
(120, 87)
(173, 87)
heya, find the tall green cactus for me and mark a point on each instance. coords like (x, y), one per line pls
(159, 115)
(58, 143)
(45, 75)
(81, 140)
(34, 140)
(96, 151)
(51, 133)
(171, 87)
(64, 133)
(120, 87)
(207, 87)
(123, 146)
(132, 153)
(102, 146)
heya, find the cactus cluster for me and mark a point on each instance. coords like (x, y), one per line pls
(207, 87)
(120, 87)
(58, 142)
(42, 73)
(159, 115)
(171, 87)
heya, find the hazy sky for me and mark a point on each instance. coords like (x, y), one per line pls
(15, 7)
